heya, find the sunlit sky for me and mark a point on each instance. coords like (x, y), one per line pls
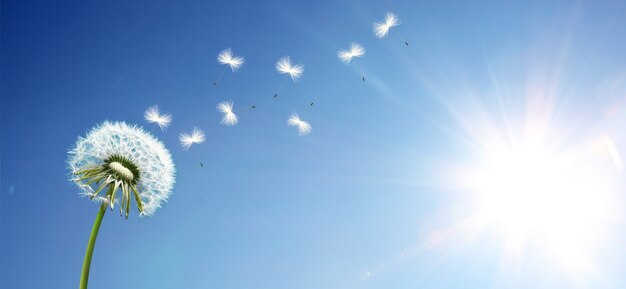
(487, 153)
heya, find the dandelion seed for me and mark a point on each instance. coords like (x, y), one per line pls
(226, 57)
(356, 50)
(229, 118)
(304, 127)
(284, 66)
(381, 29)
(153, 115)
(114, 157)
(188, 139)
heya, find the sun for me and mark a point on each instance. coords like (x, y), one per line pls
(534, 195)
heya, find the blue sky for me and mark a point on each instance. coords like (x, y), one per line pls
(372, 198)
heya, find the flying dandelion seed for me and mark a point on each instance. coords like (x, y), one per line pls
(381, 29)
(226, 108)
(188, 139)
(356, 50)
(153, 115)
(284, 66)
(115, 156)
(226, 57)
(304, 127)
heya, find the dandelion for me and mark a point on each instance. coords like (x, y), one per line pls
(116, 157)
(153, 115)
(195, 137)
(356, 50)
(381, 29)
(304, 127)
(226, 57)
(226, 108)
(284, 66)
(188, 139)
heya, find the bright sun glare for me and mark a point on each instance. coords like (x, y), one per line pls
(560, 200)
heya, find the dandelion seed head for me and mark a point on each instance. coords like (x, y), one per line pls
(226, 108)
(381, 29)
(153, 115)
(356, 50)
(126, 157)
(226, 57)
(188, 139)
(304, 127)
(284, 66)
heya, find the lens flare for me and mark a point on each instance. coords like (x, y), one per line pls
(555, 200)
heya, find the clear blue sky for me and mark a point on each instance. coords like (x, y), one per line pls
(367, 200)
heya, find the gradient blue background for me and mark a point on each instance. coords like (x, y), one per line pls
(345, 207)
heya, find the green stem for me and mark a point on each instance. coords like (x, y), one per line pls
(84, 276)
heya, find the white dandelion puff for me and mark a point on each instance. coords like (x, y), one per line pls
(153, 115)
(356, 50)
(284, 66)
(304, 127)
(188, 139)
(226, 57)
(381, 29)
(226, 108)
(115, 155)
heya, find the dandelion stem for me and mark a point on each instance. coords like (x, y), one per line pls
(195, 152)
(84, 276)
(245, 108)
(280, 87)
(220, 77)
(397, 38)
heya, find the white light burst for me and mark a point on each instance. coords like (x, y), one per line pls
(530, 192)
